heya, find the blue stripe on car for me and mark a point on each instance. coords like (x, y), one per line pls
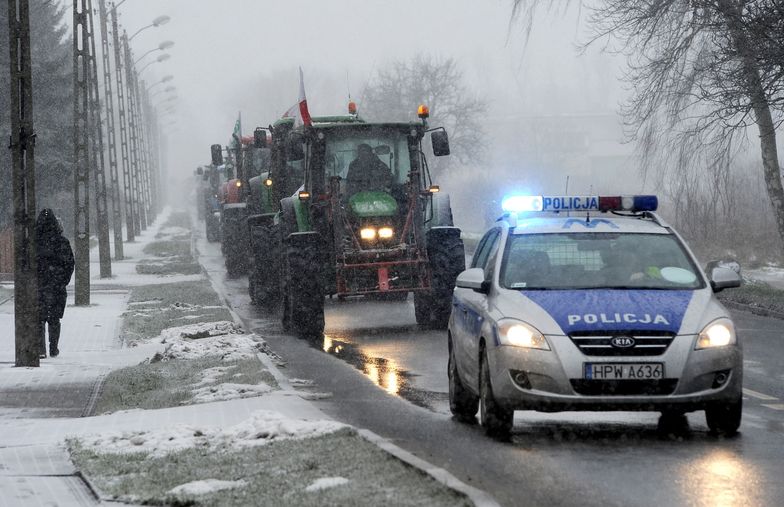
(589, 310)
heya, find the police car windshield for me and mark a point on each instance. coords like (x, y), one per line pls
(596, 261)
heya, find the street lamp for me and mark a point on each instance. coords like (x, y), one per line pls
(167, 89)
(160, 20)
(170, 98)
(161, 58)
(165, 79)
(161, 47)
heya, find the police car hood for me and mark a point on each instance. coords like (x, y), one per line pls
(588, 311)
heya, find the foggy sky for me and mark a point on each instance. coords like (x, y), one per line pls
(224, 50)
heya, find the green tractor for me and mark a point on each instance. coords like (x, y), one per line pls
(276, 181)
(366, 220)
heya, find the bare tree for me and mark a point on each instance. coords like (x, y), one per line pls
(701, 72)
(395, 90)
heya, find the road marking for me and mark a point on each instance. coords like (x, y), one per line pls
(759, 396)
(774, 406)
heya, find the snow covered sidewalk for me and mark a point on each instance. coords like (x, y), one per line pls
(226, 442)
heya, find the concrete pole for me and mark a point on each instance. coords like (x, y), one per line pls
(99, 166)
(111, 132)
(130, 230)
(133, 131)
(82, 159)
(27, 340)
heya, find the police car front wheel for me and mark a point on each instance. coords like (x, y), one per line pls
(497, 420)
(724, 418)
(462, 403)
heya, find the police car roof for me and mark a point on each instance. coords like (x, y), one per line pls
(599, 223)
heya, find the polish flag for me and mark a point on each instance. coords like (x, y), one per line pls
(299, 111)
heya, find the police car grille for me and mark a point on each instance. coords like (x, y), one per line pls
(624, 387)
(644, 345)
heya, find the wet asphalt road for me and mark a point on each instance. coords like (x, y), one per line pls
(386, 375)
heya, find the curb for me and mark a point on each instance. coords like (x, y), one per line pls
(478, 497)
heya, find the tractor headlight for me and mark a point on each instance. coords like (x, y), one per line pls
(386, 232)
(719, 333)
(367, 233)
(520, 334)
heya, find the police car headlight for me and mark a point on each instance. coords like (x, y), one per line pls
(719, 333)
(520, 334)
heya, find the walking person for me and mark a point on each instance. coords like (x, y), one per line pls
(55, 267)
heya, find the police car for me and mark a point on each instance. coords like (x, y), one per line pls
(591, 303)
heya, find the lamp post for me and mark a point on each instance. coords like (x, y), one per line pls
(167, 89)
(160, 20)
(111, 132)
(135, 143)
(163, 46)
(161, 58)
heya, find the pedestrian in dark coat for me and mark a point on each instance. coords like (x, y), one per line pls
(55, 267)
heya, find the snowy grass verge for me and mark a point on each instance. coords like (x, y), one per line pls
(757, 296)
(153, 308)
(172, 251)
(266, 460)
(174, 383)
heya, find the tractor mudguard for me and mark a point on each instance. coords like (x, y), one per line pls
(304, 239)
(262, 220)
(440, 235)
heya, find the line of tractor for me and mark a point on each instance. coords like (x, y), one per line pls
(338, 207)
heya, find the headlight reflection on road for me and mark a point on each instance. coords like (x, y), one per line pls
(381, 371)
(384, 374)
(721, 479)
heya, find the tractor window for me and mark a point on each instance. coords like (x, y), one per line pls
(260, 162)
(390, 146)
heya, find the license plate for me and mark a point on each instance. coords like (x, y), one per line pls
(624, 371)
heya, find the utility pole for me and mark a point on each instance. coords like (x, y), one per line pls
(81, 79)
(27, 341)
(130, 81)
(111, 133)
(123, 118)
(96, 138)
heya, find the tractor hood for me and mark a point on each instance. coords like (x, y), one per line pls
(373, 204)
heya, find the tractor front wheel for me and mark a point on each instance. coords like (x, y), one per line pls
(304, 295)
(447, 260)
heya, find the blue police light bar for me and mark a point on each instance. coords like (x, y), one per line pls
(533, 203)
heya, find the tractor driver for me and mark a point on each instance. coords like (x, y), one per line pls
(367, 172)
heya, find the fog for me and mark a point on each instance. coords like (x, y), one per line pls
(553, 111)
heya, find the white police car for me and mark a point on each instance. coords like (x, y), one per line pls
(590, 303)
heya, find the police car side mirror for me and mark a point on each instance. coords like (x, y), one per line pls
(724, 278)
(474, 279)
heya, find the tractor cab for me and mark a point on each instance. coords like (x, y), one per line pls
(366, 220)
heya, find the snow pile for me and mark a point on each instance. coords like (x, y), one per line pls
(228, 347)
(173, 231)
(223, 392)
(200, 330)
(211, 375)
(205, 487)
(261, 428)
(326, 483)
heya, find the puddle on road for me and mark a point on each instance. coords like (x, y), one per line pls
(381, 371)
